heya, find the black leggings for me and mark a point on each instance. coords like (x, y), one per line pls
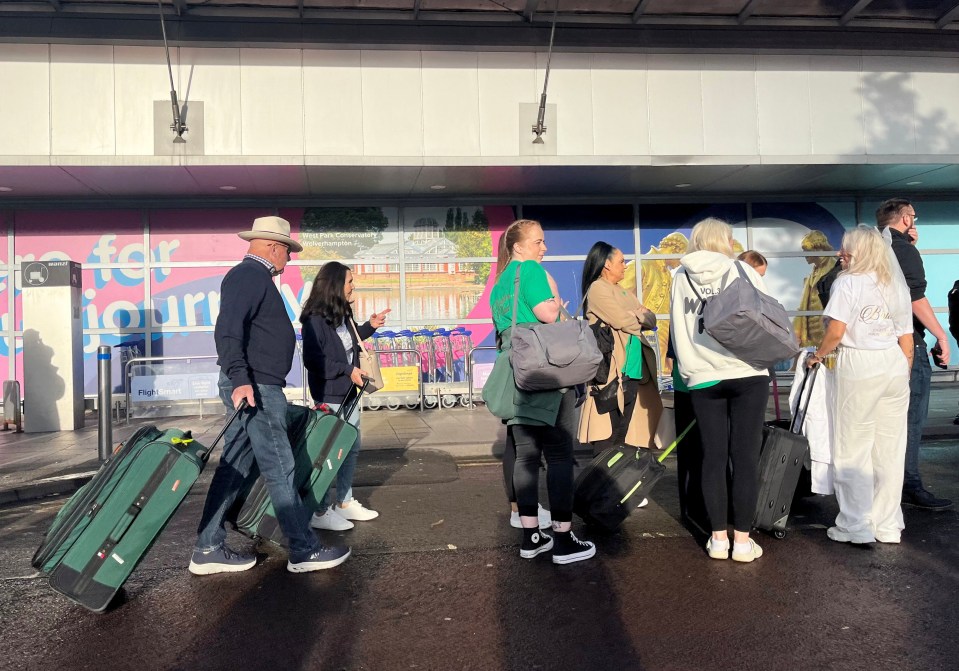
(509, 462)
(555, 444)
(689, 462)
(730, 417)
(620, 420)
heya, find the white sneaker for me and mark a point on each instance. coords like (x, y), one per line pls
(354, 510)
(545, 520)
(330, 520)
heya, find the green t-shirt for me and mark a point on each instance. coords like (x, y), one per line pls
(679, 385)
(633, 368)
(534, 289)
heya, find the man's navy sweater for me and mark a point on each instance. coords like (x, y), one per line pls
(254, 335)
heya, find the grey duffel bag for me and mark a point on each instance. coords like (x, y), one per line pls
(753, 326)
(552, 356)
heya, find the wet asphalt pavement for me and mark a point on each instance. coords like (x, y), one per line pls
(436, 583)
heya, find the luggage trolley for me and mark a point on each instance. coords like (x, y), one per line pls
(448, 389)
(380, 345)
(403, 340)
(461, 343)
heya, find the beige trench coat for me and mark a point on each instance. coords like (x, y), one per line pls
(616, 306)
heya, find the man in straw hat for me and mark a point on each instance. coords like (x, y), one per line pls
(254, 344)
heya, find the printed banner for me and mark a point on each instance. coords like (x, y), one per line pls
(153, 388)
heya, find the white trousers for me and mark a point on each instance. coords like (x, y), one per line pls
(869, 441)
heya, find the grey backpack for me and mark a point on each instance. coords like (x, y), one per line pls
(753, 326)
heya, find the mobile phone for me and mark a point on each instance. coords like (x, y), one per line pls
(937, 357)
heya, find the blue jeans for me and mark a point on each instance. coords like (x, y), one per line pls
(257, 434)
(344, 477)
(919, 382)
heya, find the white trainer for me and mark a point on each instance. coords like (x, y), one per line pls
(545, 520)
(330, 520)
(354, 510)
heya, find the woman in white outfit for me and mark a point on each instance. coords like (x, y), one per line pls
(869, 323)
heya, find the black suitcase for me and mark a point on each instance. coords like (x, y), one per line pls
(616, 475)
(781, 463)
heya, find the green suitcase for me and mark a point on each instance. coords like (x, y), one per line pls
(107, 527)
(320, 442)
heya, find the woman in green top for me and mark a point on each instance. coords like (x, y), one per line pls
(545, 422)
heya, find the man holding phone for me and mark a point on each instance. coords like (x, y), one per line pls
(899, 215)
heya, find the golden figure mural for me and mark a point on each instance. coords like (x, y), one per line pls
(656, 282)
(809, 329)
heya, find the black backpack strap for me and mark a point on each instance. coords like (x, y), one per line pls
(702, 301)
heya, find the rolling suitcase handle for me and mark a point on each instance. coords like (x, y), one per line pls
(799, 417)
(672, 445)
(343, 413)
(236, 413)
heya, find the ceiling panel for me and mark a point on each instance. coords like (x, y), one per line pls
(137, 180)
(499, 182)
(375, 182)
(40, 181)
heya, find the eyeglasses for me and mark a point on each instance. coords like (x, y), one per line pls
(914, 216)
(286, 248)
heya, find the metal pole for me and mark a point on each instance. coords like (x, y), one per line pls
(104, 403)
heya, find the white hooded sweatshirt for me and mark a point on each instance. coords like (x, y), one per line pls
(701, 359)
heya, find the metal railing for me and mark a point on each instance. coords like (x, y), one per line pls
(128, 375)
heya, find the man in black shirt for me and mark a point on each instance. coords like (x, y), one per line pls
(899, 215)
(953, 299)
(254, 343)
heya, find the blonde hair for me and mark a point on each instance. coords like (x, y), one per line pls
(515, 232)
(815, 241)
(711, 235)
(868, 253)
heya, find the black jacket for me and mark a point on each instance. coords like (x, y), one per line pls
(328, 369)
(954, 310)
(254, 335)
(912, 269)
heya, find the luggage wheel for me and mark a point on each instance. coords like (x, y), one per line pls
(779, 533)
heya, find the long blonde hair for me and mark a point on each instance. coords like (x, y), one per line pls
(868, 253)
(515, 232)
(711, 235)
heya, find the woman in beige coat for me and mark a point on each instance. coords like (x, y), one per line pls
(638, 403)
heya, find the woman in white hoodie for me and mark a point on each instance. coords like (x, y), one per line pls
(729, 396)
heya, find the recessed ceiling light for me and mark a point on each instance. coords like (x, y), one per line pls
(912, 183)
(6, 189)
(227, 188)
(682, 186)
(438, 187)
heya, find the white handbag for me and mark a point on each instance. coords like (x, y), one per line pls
(369, 364)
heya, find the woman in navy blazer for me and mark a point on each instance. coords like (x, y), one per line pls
(331, 342)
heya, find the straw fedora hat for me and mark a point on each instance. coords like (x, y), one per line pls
(272, 228)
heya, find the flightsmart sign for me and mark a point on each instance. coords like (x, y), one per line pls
(153, 388)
